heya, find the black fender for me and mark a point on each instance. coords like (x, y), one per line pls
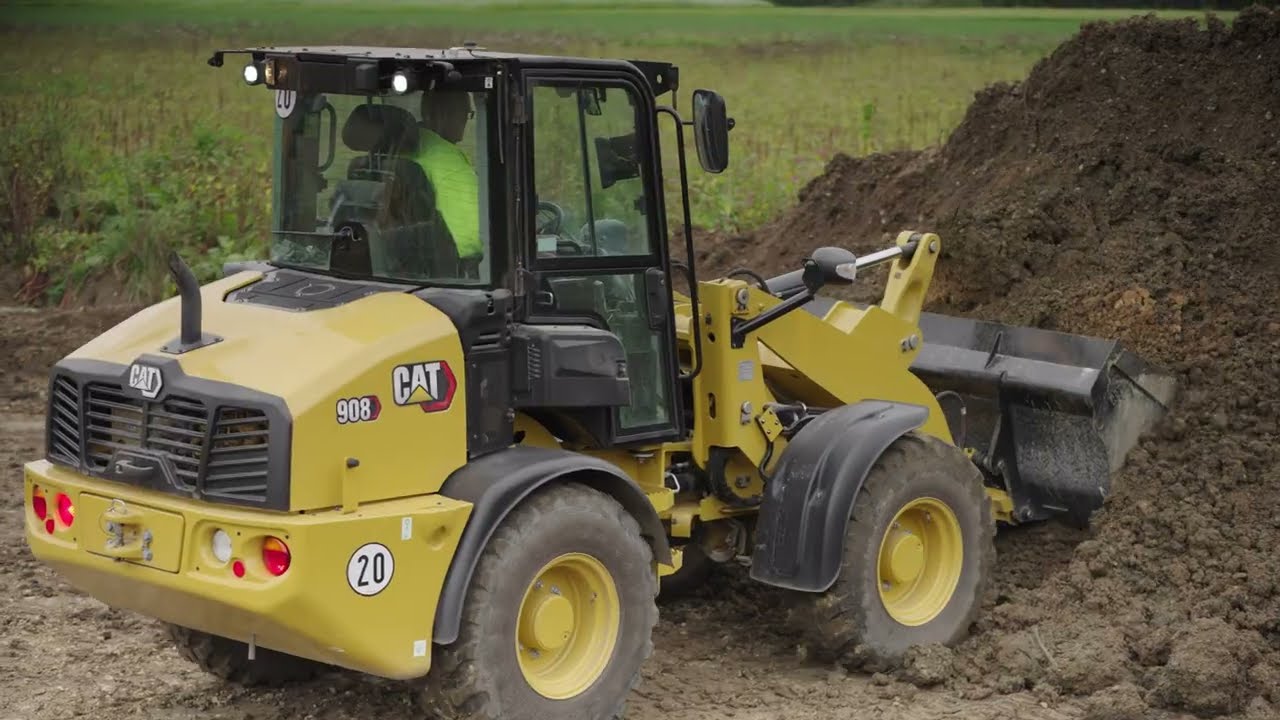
(807, 503)
(496, 483)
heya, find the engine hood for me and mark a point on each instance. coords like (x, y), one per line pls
(377, 380)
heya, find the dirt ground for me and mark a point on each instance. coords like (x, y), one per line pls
(1127, 188)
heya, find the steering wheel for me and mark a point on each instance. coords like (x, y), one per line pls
(550, 218)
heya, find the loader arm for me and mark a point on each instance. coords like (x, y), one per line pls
(840, 357)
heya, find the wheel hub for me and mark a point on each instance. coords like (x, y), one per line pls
(905, 557)
(548, 625)
(921, 556)
(567, 626)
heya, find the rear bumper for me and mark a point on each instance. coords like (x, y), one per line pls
(310, 611)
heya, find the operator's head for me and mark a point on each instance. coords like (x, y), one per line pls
(445, 112)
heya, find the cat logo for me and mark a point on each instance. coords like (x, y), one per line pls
(429, 385)
(146, 379)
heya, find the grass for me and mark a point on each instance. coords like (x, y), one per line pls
(121, 142)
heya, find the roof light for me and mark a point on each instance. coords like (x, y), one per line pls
(252, 74)
(400, 83)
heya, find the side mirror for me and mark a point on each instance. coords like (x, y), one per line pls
(837, 265)
(711, 125)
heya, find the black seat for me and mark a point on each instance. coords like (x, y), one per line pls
(395, 198)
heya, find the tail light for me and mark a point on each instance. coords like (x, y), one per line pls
(39, 503)
(275, 556)
(66, 510)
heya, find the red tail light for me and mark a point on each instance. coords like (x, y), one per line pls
(39, 504)
(66, 510)
(48, 526)
(237, 569)
(275, 556)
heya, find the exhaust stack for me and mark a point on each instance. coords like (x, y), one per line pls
(190, 337)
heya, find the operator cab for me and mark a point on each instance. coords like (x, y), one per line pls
(520, 194)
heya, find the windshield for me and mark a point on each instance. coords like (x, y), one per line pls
(384, 187)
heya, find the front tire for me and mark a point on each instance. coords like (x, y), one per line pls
(229, 659)
(558, 618)
(917, 557)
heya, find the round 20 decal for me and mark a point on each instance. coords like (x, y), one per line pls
(370, 569)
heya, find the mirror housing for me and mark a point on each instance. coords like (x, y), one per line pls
(711, 125)
(616, 159)
(836, 265)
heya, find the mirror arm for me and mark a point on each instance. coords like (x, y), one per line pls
(688, 243)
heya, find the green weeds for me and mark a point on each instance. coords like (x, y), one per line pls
(120, 143)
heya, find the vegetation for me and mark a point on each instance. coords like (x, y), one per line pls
(120, 142)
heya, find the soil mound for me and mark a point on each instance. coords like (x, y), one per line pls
(1127, 188)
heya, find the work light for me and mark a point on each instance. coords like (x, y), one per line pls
(400, 83)
(252, 74)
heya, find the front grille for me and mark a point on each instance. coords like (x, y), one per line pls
(64, 420)
(211, 450)
(238, 455)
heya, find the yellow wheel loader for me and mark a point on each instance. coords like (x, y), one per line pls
(460, 427)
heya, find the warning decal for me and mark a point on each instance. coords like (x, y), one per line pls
(370, 569)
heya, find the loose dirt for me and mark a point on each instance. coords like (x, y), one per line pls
(1126, 189)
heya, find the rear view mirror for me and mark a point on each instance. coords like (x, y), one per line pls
(711, 126)
(837, 265)
(616, 159)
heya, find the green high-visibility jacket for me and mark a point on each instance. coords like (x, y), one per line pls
(457, 190)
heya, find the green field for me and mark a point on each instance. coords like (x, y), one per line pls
(120, 142)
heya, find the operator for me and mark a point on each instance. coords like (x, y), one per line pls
(444, 120)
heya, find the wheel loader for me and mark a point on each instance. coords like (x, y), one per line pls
(470, 417)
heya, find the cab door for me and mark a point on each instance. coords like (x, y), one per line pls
(595, 236)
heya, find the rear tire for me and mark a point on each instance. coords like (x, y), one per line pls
(917, 557)
(567, 552)
(229, 659)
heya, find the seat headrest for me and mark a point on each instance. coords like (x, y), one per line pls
(380, 128)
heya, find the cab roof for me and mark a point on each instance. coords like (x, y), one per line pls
(662, 76)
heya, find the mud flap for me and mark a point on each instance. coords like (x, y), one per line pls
(804, 517)
(1050, 414)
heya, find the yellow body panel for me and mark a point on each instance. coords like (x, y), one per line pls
(312, 360)
(310, 611)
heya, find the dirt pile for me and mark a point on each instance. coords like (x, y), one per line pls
(1127, 188)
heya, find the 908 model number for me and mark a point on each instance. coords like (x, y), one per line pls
(358, 409)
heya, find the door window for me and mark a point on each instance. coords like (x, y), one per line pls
(591, 196)
(593, 206)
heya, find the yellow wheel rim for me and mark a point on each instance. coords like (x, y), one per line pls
(568, 626)
(919, 564)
